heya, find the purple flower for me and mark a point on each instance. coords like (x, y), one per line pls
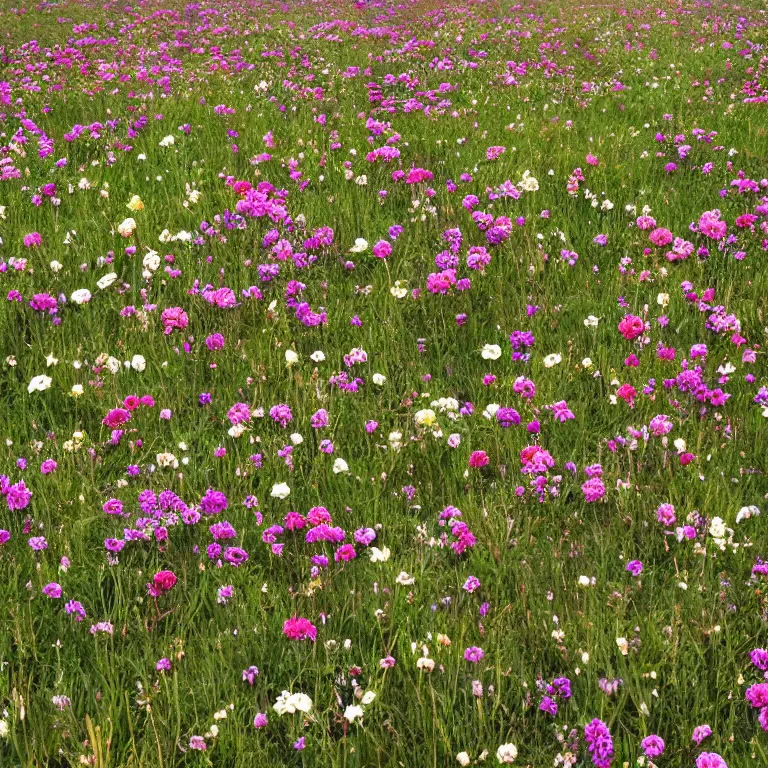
(635, 567)
(710, 760)
(701, 732)
(250, 675)
(474, 654)
(600, 743)
(653, 746)
(52, 590)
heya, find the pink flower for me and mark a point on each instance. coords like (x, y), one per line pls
(660, 237)
(711, 226)
(593, 489)
(32, 240)
(478, 459)
(116, 417)
(299, 628)
(174, 318)
(382, 249)
(162, 582)
(631, 326)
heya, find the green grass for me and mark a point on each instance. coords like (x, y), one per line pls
(688, 660)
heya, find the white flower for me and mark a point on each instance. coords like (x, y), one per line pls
(717, 528)
(623, 645)
(506, 753)
(425, 417)
(280, 491)
(288, 702)
(51, 360)
(607, 205)
(81, 296)
(379, 555)
(107, 280)
(237, 430)
(662, 299)
(379, 379)
(167, 460)
(398, 290)
(404, 579)
(726, 369)
(591, 321)
(362, 180)
(746, 512)
(167, 141)
(77, 390)
(679, 444)
(425, 663)
(151, 260)
(39, 383)
(138, 363)
(554, 359)
(340, 466)
(490, 352)
(368, 697)
(360, 246)
(528, 183)
(296, 438)
(126, 227)
(462, 759)
(291, 357)
(587, 362)
(490, 410)
(353, 712)
(56, 266)
(585, 581)
(113, 365)
(317, 356)
(395, 440)
(4, 730)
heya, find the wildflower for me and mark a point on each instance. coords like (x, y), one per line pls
(299, 628)
(506, 754)
(39, 383)
(280, 491)
(652, 746)
(599, 742)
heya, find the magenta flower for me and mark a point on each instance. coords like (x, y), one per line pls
(174, 318)
(474, 654)
(478, 459)
(33, 240)
(52, 590)
(299, 628)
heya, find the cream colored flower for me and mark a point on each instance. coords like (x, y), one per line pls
(126, 227)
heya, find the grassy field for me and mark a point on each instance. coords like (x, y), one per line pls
(383, 384)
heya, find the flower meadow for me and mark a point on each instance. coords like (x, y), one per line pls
(383, 384)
